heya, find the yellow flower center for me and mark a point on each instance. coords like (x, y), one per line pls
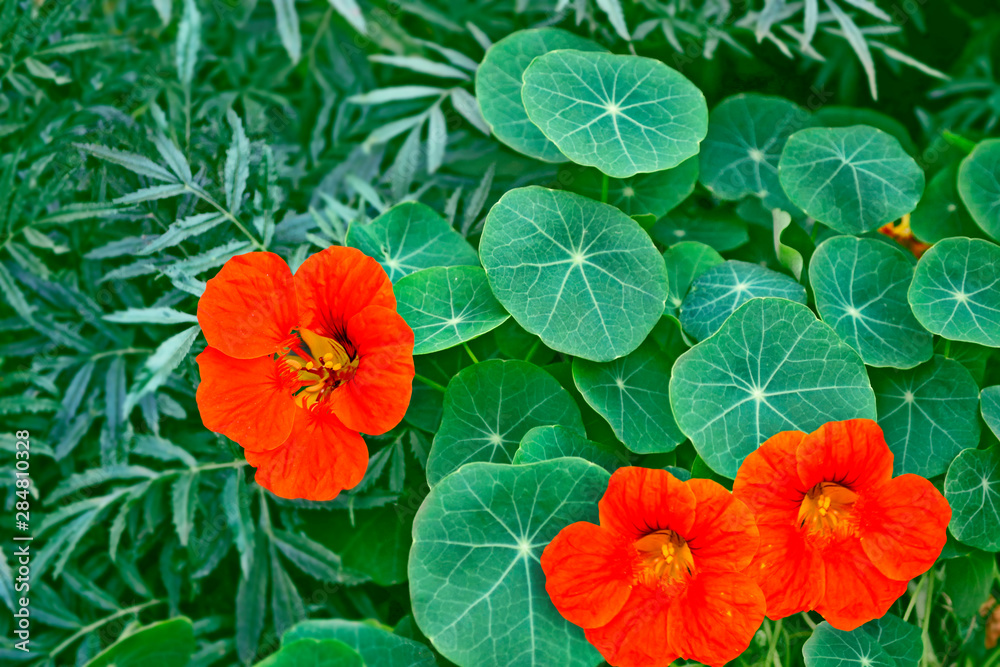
(666, 557)
(827, 510)
(321, 369)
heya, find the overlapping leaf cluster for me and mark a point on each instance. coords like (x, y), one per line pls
(599, 272)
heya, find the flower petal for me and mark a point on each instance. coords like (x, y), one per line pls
(637, 636)
(724, 536)
(903, 526)
(319, 459)
(852, 453)
(856, 591)
(642, 500)
(788, 570)
(248, 309)
(336, 284)
(588, 573)
(768, 481)
(715, 618)
(376, 398)
(244, 399)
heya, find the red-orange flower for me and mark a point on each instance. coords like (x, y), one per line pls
(662, 577)
(297, 365)
(838, 533)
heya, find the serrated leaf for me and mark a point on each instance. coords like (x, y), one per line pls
(182, 492)
(238, 161)
(132, 161)
(160, 365)
(287, 21)
(188, 43)
(156, 315)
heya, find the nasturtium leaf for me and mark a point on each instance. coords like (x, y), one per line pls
(685, 262)
(477, 588)
(377, 645)
(580, 274)
(655, 193)
(990, 401)
(853, 179)
(721, 229)
(409, 237)
(164, 644)
(446, 306)
(595, 426)
(746, 134)
(314, 653)
(829, 647)
(900, 640)
(860, 287)
(543, 443)
(972, 488)
(632, 394)
(968, 579)
(941, 212)
(979, 185)
(771, 367)
(928, 414)
(837, 116)
(956, 291)
(974, 357)
(488, 408)
(719, 291)
(622, 114)
(499, 81)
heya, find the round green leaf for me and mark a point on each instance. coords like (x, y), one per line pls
(719, 291)
(685, 262)
(477, 588)
(376, 645)
(581, 275)
(979, 185)
(621, 114)
(771, 367)
(489, 406)
(655, 193)
(409, 237)
(853, 179)
(314, 653)
(860, 287)
(446, 306)
(632, 395)
(721, 229)
(746, 134)
(900, 640)
(972, 488)
(164, 644)
(543, 443)
(829, 647)
(956, 291)
(990, 401)
(837, 116)
(928, 414)
(499, 81)
(941, 212)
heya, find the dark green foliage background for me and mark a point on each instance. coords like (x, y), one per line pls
(139, 513)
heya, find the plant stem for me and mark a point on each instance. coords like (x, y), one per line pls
(533, 349)
(927, 658)
(605, 182)
(96, 624)
(204, 196)
(429, 383)
(471, 355)
(947, 347)
(913, 598)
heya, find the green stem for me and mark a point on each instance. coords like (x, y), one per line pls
(430, 383)
(928, 655)
(471, 355)
(96, 624)
(811, 623)
(204, 196)
(947, 347)
(958, 141)
(533, 349)
(913, 598)
(605, 183)
(772, 650)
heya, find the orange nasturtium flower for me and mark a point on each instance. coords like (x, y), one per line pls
(904, 235)
(662, 577)
(297, 365)
(838, 534)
